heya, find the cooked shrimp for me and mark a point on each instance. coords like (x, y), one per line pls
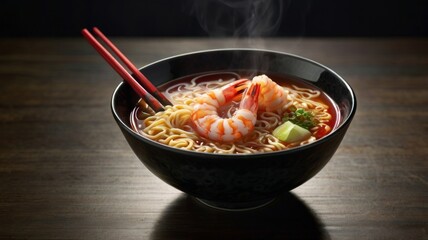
(272, 96)
(209, 124)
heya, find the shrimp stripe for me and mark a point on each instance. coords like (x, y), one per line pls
(246, 114)
(208, 122)
(227, 129)
(213, 133)
(220, 97)
(209, 101)
(248, 123)
(214, 126)
(240, 126)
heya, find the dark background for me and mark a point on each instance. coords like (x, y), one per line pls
(313, 18)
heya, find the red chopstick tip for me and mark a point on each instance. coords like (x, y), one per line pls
(84, 31)
(154, 101)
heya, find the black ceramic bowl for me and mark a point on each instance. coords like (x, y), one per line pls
(236, 180)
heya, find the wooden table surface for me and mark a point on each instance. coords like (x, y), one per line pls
(66, 171)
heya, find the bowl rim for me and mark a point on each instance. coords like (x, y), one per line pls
(344, 123)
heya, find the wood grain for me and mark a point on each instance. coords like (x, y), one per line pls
(66, 171)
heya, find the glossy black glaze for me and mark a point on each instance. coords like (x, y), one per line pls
(237, 178)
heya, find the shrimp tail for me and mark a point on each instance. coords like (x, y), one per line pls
(250, 99)
(234, 90)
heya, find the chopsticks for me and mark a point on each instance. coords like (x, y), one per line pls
(152, 96)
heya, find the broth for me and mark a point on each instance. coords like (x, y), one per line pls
(261, 141)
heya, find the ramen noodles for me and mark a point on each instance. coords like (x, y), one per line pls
(222, 113)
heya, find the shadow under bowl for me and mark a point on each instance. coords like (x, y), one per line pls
(236, 181)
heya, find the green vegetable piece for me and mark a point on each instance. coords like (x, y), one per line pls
(304, 119)
(290, 132)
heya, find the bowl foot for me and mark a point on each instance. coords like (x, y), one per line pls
(243, 206)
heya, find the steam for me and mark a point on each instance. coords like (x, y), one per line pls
(239, 18)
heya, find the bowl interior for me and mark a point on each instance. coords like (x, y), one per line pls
(261, 61)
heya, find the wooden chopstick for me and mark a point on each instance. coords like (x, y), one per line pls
(142, 79)
(148, 98)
